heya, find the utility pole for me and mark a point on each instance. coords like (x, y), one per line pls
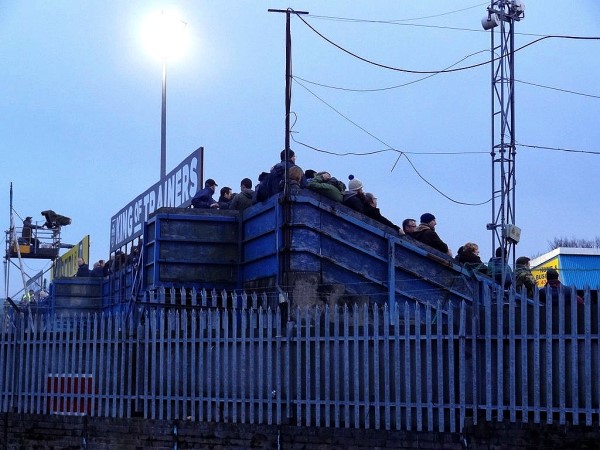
(284, 253)
(505, 234)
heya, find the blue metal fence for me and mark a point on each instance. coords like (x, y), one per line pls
(230, 360)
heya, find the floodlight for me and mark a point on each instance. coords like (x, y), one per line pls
(490, 21)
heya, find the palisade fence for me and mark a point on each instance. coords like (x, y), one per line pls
(412, 368)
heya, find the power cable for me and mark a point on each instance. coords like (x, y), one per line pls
(402, 20)
(390, 87)
(401, 153)
(398, 69)
(558, 89)
(588, 152)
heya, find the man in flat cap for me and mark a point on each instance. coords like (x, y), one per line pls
(426, 234)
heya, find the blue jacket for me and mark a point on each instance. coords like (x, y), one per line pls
(203, 198)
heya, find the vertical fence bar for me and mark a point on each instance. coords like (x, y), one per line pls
(317, 372)
(549, 366)
(574, 384)
(346, 345)
(408, 372)
(462, 366)
(512, 356)
(451, 375)
(356, 365)
(440, 378)
(387, 367)
(308, 358)
(488, 354)
(498, 339)
(397, 400)
(336, 366)
(537, 378)
(418, 370)
(524, 357)
(587, 358)
(365, 364)
(376, 339)
(562, 369)
(429, 366)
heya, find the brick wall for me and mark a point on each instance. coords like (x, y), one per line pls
(28, 431)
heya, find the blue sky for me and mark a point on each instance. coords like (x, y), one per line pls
(80, 109)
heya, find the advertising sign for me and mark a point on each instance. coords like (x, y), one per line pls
(176, 190)
(539, 272)
(66, 265)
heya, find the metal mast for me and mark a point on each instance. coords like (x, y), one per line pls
(503, 14)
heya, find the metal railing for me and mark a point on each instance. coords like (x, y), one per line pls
(355, 367)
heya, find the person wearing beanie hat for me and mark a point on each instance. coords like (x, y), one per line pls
(354, 197)
(426, 234)
(523, 276)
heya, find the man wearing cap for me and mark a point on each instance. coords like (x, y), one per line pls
(203, 198)
(27, 231)
(523, 276)
(426, 234)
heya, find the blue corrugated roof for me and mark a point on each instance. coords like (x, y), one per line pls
(580, 270)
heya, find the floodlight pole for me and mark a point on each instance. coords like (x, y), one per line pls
(504, 14)
(163, 122)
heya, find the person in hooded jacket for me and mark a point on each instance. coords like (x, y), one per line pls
(276, 178)
(243, 199)
(326, 185)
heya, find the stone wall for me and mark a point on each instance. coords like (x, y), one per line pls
(27, 431)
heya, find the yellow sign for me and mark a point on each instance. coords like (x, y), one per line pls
(539, 272)
(66, 265)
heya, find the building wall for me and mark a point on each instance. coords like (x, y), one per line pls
(24, 431)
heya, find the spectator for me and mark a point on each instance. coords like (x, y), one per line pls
(554, 288)
(98, 270)
(243, 199)
(295, 176)
(468, 255)
(372, 211)
(203, 198)
(426, 234)
(309, 174)
(409, 226)
(276, 179)
(225, 197)
(354, 197)
(261, 193)
(83, 269)
(328, 186)
(495, 266)
(523, 276)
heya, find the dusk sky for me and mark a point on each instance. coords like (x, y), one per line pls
(81, 104)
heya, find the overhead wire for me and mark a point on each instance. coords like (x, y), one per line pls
(400, 153)
(404, 20)
(390, 87)
(398, 69)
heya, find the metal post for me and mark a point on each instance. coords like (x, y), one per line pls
(163, 122)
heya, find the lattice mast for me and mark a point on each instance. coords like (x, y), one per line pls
(502, 14)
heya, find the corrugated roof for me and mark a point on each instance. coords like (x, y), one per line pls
(580, 270)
